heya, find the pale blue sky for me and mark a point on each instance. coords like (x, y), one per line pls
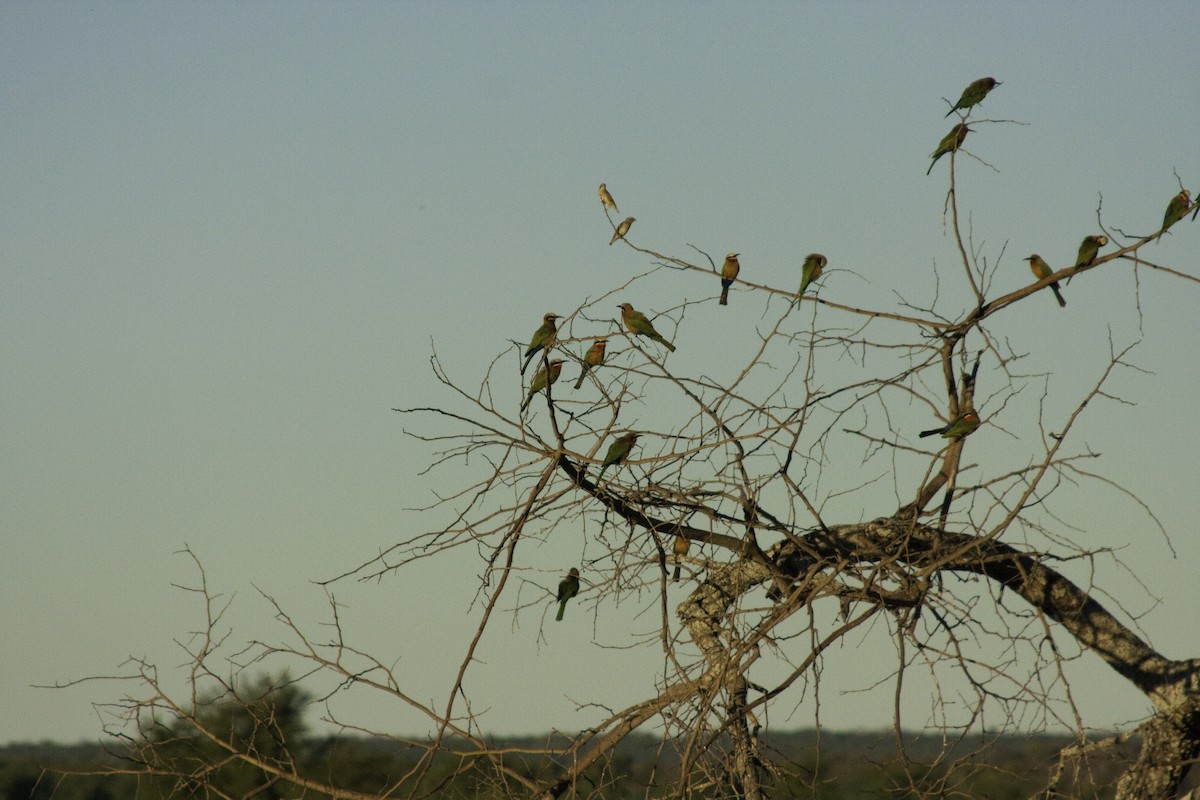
(229, 233)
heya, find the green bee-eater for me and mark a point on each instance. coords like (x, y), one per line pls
(729, 271)
(637, 324)
(568, 587)
(680, 549)
(814, 264)
(1088, 249)
(1041, 270)
(622, 229)
(618, 451)
(606, 199)
(542, 337)
(594, 357)
(539, 381)
(949, 143)
(974, 93)
(1176, 209)
(964, 425)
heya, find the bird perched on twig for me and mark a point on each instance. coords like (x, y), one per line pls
(594, 357)
(680, 549)
(637, 324)
(542, 337)
(1176, 209)
(1041, 270)
(973, 94)
(962, 425)
(540, 382)
(729, 271)
(618, 451)
(1088, 249)
(814, 264)
(622, 229)
(568, 587)
(949, 143)
(606, 199)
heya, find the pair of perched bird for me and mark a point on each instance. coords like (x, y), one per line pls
(607, 201)
(1088, 249)
(814, 264)
(971, 96)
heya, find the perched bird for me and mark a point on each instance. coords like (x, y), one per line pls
(542, 337)
(606, 199)
(622, 229)
(1176, 209)
(814, 264)
(1088, 249)
(974, 93)
(618, 451)
(729, 271)
(949, 143)
(637, 324)
(568, 587)
(680, 549)
(594, 357)
(1041, 270)
(964, 425)
(540, 382)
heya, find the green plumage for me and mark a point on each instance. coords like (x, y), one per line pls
(963, 425)
(949, 144)
(542, 337)
(637, 324)
(568, 587)
(814, 265)
(1176, 209)
(618, 451)
(1088, 249)
(540, 383)
(973, 94)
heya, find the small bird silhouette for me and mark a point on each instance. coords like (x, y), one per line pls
(1041, 270)
(729, 271)
(618, 451)
(594, 357)
(680, 549)
(542, 337)
(540, 382)
(814, 264)
(606, 199)
(963, 425)
(1088, 249)
(568, 587)
(949, 143)
(622, 229)
(637, 324)
(973, 94)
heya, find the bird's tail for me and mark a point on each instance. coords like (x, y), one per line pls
(667, 344)
(1062, 301)
(724, 295)
(932, 432)
(561, 608)
(675, 576)
(582, 375)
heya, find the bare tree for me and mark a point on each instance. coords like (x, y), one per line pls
(730, 480)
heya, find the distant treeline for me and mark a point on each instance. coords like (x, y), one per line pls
(828, 766)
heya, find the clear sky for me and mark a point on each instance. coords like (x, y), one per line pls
(231, 234)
